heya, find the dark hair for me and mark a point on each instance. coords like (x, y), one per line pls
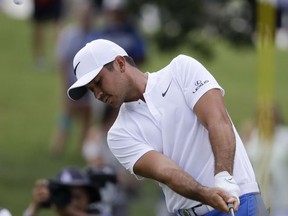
(128, 59)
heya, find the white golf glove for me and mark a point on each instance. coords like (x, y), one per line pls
(225, 181)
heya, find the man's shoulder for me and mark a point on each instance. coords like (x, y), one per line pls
(183, 58)
(173, 69)
(178, 65)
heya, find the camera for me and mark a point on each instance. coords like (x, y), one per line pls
(91, 179)
(99, 177)
(60, 195)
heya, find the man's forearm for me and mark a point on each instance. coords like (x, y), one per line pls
(159, 167)
(185, 185)
(223, 145)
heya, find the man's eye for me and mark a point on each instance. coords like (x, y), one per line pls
(97, 82)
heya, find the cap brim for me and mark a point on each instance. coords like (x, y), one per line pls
(78, 89)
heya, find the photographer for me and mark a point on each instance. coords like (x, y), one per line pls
(69, 194)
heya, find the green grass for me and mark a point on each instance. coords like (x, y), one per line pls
(29, 103)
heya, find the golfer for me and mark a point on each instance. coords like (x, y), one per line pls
(172, 127)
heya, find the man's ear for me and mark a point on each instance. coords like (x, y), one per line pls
(121, 63)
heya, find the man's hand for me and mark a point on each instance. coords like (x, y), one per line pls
(40, 192)
(219, 199)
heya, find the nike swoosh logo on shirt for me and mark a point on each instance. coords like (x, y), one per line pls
(164, 93)
(76, 68)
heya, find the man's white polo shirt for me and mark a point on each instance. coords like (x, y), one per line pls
(165, 122)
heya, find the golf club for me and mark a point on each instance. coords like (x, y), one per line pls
(231, 208)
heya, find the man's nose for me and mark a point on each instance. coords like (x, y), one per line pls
(98, 94)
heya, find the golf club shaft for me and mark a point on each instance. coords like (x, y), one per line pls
(231, 208)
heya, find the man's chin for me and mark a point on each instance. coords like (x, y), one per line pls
(115, 105)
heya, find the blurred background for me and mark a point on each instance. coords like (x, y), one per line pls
(243, 43)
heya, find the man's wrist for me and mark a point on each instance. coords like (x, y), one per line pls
(201, 193)
(222, 174)
(227, 182)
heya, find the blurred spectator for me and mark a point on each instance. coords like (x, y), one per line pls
(72, 38)
(70, 193)
(282, 31)
(98, 155)
(280, 20)
(119, 28)
(278, 157)
(45, 11)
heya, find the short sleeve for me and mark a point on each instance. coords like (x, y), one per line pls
(194, 79)
(125, 145)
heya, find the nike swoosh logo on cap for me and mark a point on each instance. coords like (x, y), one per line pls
(164, 93)
(76, 68)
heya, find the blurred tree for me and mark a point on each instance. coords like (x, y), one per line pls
(194, 24)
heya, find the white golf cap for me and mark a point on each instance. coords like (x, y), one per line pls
(89, 61)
